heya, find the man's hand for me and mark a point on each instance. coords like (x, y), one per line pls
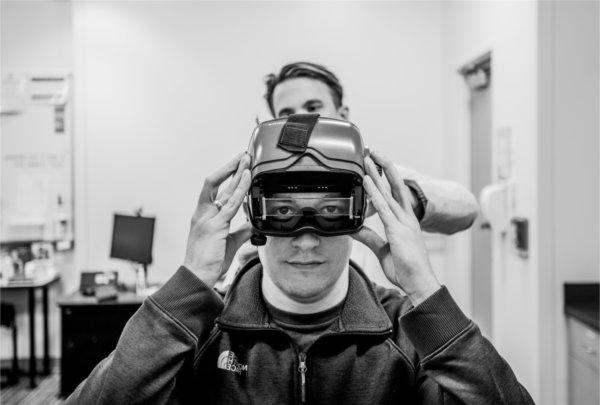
(210, 246)
(404, 256)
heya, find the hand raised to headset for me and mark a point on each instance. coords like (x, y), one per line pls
(403, 256)
(211, 247)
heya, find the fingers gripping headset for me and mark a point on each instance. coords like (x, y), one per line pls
(307, 175)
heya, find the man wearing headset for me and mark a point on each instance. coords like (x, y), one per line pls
(440, 206)
(303, 325)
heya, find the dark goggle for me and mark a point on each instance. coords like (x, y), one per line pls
(324, 216)
(289, 209)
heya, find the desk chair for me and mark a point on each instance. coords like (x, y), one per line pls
(8, 320)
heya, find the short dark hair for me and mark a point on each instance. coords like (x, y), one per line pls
(304, 69)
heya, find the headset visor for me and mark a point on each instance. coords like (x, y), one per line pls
(288, 208)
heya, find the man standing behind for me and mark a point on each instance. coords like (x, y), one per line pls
(440, 206)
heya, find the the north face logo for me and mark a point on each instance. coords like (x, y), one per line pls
(228, 361)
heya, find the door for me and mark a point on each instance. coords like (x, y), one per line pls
(478, 78)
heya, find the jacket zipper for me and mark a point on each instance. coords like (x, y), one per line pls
(302, 370)
(301, 355)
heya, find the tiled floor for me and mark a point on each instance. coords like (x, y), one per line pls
(45, 393)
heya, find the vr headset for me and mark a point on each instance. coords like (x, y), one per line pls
(307, 175)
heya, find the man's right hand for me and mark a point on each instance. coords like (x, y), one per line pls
(210, 247)
(403, 256)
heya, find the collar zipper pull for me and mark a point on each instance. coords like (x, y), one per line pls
(302, 370)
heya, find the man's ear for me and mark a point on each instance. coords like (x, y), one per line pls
(344, 112)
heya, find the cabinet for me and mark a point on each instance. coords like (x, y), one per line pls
(583, 363)
(90, 332)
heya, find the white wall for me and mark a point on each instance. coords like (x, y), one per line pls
(36, 36)
(576, 140)
(508, 29)
(568, 95)
(167, 92)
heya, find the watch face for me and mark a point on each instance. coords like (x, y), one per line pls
(417, 192)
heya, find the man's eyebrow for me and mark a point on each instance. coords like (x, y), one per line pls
(313, 101)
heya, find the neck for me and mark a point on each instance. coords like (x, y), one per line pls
(277, 298)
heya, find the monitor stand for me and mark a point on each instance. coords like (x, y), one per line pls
(142, 288)
(141, 278)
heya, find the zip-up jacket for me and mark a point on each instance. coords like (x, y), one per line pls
(188, 345)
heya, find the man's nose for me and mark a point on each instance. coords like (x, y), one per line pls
(306, 241)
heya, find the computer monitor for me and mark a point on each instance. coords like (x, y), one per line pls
(132, 238)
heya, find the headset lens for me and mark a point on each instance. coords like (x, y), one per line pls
(286, 209)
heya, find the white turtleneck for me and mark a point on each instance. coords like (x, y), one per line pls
(280, 300)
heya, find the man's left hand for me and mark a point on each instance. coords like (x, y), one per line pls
(403, 256)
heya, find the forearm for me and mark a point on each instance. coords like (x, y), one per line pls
(456, 357)
(450, 206)
(154, 344)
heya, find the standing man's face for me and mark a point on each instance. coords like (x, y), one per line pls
(303, 95)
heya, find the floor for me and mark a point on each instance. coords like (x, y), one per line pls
(45, 393)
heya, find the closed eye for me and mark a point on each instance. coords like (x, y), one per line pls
(313, 106)
(285, 112)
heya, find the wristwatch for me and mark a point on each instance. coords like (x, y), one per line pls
(416, 191)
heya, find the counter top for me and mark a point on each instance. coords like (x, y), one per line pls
(581, 302)
(123, 298)
(588, 315)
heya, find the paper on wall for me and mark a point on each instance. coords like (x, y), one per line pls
(33, 195)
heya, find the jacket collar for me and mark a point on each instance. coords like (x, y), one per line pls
(362, 312)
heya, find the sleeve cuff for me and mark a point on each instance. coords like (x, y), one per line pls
(434, 322)
(187, 299)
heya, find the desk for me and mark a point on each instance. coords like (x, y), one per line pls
(31, 286)
(90, 332)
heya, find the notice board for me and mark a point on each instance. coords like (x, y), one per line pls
(36, 198)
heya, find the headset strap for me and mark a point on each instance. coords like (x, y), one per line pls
(296, 132)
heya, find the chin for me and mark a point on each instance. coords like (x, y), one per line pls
(304, 287)
(303, 293)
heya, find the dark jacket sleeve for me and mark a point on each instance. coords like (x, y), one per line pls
(457, 363)
(154, 345)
